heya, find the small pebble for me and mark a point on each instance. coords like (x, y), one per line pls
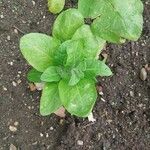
(79, 142)
(91, 117)
(131, 93)
(19, 81)
(47, 135)
(16, 123)
(100, 90)
(51, 128)
(109, 121)
(33, 2)
(102, 99)
(2, 16)
(16, 31)
(8, 38)
(143, 74)
(12, 147)
(35, 143)
(12, 128)
(19, 72)
(4, 88)
(41, 134)
(61, 122)
(10, 63)
(32, 87)
(14, 83)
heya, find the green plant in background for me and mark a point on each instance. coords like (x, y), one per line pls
(56, 6)
(67, 61)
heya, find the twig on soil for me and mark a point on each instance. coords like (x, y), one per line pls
(19, 29)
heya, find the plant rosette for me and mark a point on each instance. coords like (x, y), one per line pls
(67, 63)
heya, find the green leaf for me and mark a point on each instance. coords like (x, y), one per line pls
(51, 74)
(69, 53)
(50, 100)
(79, 99)
(67, 23)
(75, 52)
(94, 68)
(56, 6)
(60, 57)
(92, 44)
(104, 70)
(38, 49)
(34, 75)
(116, 20)
(76, 76)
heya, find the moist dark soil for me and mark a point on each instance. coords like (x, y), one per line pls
(122, 116)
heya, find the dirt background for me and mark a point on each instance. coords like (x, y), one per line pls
(122, 116)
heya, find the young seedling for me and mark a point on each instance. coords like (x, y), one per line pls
(67, 63)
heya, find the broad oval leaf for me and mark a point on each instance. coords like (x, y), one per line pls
(92, 44)
(38, 49)
(56, 6)
(116, 20)
(34, 75)
(79, 99)
(51, 74)
(50, 100)
(92, 68)
(67, 23)
(96, 68)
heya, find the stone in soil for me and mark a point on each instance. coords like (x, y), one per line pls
(12, 128)
(12, 147)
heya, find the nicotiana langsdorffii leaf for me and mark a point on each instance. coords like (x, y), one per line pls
(115, 20)
(69, 53)
(79, 99)
(51, 74)
(50, 100)
(67, 23)
(93, 68)
(56, 6)
(76, 76)
(92, 44)
(34, 75)
(38, 49)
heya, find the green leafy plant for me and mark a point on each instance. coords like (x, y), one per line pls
(114, 20)
(67, 62)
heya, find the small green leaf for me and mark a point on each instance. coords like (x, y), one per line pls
(79, 99)
(115, 20)
(50, 100)
(69, 53)
(60, 57)
(34, 75)
(75, 52)
(38, 49)
(67, 23)
(56, 6)
(92, 44)
(51, 74)
(94, 68)
(104, 70)
(76, 76)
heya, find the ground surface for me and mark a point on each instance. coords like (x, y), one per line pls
(123, 117)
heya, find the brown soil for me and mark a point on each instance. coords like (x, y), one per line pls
(122, 120)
